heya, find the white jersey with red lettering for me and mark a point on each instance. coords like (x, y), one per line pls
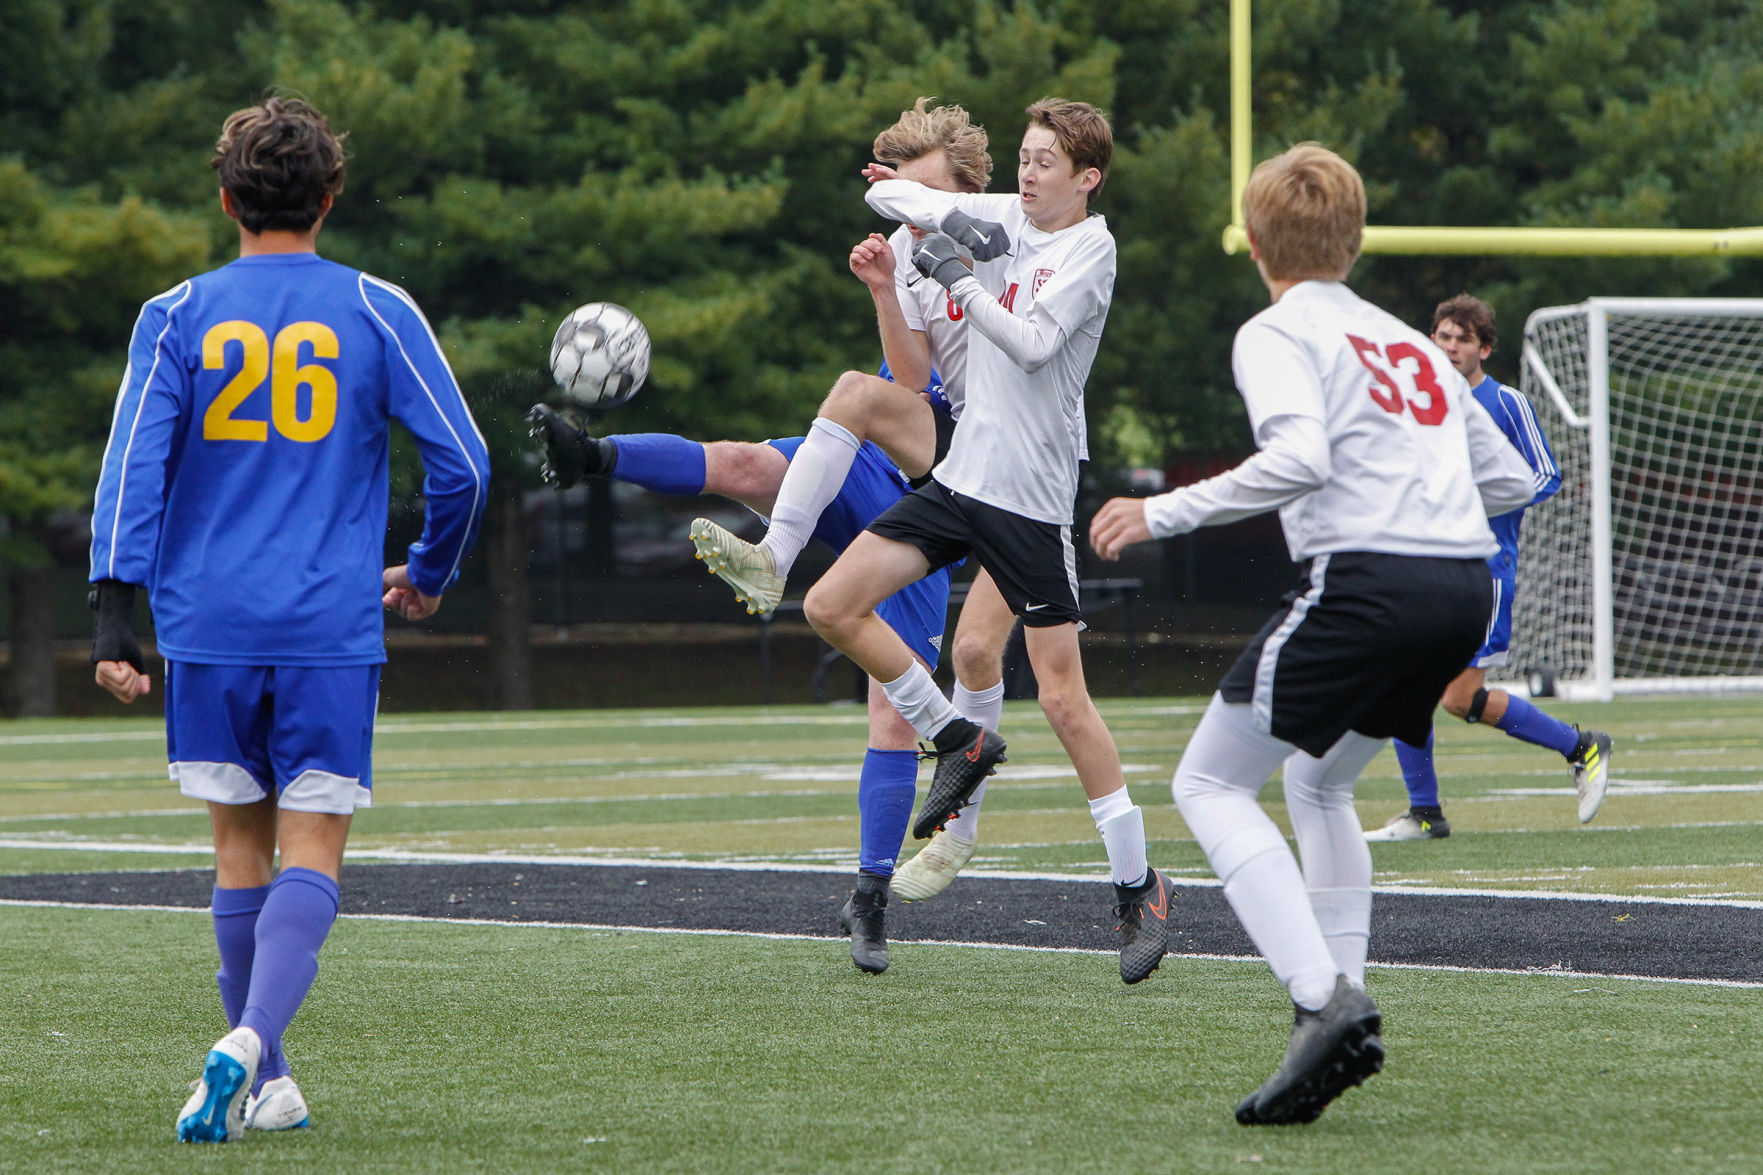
(1400, 420)
(1022, 430)
(927, 307)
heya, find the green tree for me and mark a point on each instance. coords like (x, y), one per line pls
(68, 265)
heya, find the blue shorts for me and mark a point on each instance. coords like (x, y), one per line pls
(238, 733)
(917, 611)
(1493, 651)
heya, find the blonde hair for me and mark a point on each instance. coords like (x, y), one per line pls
(1305, 210)
(948, 129)
(1082, 132)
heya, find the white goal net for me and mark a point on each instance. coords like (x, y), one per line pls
(1645, 572)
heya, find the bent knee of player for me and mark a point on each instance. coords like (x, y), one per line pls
(978, 661)
(1456, 701)
(1066, 702)
(830, 611)
(743, 470)
(849, 403)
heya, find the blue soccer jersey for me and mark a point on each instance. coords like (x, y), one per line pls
(245, 481)
(1515, 417)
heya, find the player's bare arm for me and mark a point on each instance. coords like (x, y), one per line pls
(906, 350)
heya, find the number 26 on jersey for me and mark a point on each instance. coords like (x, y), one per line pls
(1395, 365)
(280, 363)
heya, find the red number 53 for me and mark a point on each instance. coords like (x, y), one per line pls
(1386, 363)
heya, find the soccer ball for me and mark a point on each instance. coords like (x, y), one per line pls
(600, 355)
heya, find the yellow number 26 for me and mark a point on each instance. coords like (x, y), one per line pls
(286, 376)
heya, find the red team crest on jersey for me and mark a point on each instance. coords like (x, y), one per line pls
(1041, 276)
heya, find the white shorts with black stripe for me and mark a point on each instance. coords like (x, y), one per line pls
(1033, 563)
(1368, 644)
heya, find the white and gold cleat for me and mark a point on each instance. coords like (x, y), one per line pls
(936, 865)
(742, 565)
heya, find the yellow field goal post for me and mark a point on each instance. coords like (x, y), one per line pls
(1645, 572)
(1432, 240)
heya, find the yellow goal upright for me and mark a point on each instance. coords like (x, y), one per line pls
(1440, 239)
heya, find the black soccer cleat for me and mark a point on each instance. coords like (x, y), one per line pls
(570, 453)
(1330, 1052)
(863, 919)
(966, 754)
(1143, 914)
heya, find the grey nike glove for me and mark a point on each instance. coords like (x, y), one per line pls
(985, 239)
(936, 257)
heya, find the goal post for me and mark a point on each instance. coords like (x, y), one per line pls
(1645, 572)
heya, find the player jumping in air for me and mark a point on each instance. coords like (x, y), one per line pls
(245, 487)
(1464, 328)
(919, 322)
(1035, 303)
(1384, 471)
(920, 340)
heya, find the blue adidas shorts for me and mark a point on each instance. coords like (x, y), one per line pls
(917, 611)
(238, 733)
(1499, 641)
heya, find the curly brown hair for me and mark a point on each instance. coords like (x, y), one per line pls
(1470, 314)
(278, 161)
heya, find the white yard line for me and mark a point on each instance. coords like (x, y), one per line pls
(415, 856)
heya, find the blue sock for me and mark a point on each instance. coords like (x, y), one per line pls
(660, 462)
(296, 917)
(884, 807)
(1524, 721)
(235, 932)
(1418, 773)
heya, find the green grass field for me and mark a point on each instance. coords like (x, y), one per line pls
(440, 1047)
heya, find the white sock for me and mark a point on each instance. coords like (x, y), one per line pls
(987, 709)
(1337, 861)
(1122, 825)
(1124, 838)
(1345, 918)
(1227, 761)
(965, 824)
(810, 484)
(916, 696)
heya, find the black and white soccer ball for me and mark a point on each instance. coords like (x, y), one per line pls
(600, 355)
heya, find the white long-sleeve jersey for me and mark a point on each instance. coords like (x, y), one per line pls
(1369, 439)
(927, 307)
(1035, 317)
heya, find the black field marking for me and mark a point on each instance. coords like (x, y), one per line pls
(1611, 937)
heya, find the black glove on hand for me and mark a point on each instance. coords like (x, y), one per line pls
(985, 239)
(113, 635)
(570, 453)
(935, 257)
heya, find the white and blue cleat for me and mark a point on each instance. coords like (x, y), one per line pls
(216, 1111)
(279, 1105)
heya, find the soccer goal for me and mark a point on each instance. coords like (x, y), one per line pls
(1645, 572)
